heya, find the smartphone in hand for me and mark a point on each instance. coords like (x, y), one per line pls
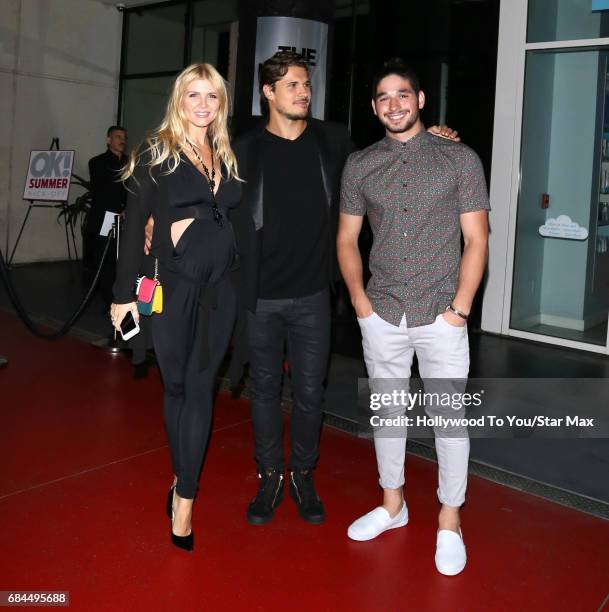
(129, 326)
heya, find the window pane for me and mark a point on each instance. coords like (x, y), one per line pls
(565, 20)
(561, 259)
(155, 39)
(211, 33)
(144, 103)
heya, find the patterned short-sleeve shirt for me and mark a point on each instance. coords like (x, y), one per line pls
(414, 193)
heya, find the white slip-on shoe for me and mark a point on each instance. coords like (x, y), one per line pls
(450, 552)
(370, 525)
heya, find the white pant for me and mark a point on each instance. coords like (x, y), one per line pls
(442, 351)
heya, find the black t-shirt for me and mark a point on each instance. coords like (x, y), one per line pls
(295, 241)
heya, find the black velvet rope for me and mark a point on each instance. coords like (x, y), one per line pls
(22, 313)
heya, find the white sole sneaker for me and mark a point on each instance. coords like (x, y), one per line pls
(450, 552)
(371, 525)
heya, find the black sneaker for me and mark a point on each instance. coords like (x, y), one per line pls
(269, 496)
(303, 493)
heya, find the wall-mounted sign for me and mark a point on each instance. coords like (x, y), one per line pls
(600, 5)
(48, 176)
(304, 36)
(563, 227)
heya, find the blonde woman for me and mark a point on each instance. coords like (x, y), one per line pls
(185, 177)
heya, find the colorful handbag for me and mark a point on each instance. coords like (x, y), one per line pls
(149, 293)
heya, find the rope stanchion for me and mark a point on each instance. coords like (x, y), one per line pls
(22, 313)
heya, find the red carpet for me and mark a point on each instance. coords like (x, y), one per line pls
(84, 470)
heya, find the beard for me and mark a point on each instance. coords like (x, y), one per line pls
(294, 115)
(410, 120)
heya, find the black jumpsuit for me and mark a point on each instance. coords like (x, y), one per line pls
(191, 335)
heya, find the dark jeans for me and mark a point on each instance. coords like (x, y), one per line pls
(304, 324)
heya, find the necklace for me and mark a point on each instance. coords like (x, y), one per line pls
(212, 183)
(211, 180)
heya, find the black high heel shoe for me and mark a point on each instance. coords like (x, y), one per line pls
(186, 542)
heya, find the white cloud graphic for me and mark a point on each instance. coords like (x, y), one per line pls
(563, 227)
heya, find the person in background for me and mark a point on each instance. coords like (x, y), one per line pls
(108, 194)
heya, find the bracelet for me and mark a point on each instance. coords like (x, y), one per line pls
(457, 312)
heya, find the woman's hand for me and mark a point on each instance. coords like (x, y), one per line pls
(118, 312)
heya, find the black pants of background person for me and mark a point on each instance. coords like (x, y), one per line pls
(304, 325)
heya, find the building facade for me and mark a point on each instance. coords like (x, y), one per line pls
(59, 77)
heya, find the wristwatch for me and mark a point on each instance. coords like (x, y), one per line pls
(457, 312)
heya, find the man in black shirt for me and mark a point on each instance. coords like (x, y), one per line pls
(109, 194)
(286, 229)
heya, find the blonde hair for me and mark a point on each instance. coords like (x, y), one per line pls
(165, 142)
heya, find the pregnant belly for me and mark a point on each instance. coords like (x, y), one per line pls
(205, 251)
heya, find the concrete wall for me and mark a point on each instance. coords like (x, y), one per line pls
(59, 67)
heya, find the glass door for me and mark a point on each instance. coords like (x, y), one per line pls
(560, 285)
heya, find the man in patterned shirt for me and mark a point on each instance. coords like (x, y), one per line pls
(421, 194)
